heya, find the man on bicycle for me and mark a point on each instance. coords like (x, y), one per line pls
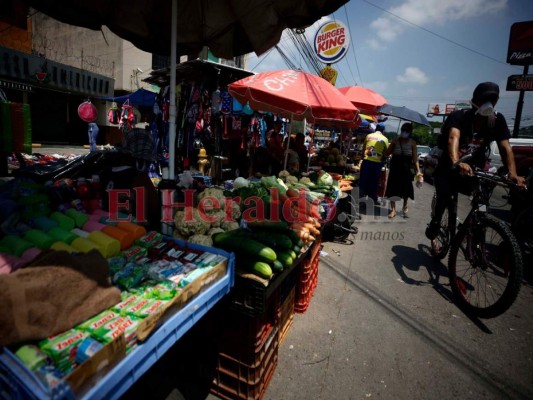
(464, 132)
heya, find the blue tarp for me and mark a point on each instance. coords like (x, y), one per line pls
(139, 98)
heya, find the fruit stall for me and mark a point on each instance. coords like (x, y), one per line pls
(255, 243)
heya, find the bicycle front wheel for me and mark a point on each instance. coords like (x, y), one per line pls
(485, 267)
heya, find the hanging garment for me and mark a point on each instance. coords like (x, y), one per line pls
(237, 107)
(225, 102)
(215, 102)
(113, 114)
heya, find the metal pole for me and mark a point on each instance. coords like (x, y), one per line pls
(172, 111)
(519, 106)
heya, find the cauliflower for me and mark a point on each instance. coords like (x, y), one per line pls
(291, 179)
(214, 193)
(235, 210)
(201, 239)
(212, 231)
(192, 226)
(283, 174)
(306, 181)
(219, 215)
(229, 225)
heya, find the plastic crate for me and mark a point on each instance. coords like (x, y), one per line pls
(243, 337)
(237, 380)
(286, 314)
(308, 279)
(252, 298)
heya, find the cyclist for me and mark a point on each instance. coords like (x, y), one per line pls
(469, 131)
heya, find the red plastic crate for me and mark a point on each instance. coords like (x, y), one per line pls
(286, 315)
(306, 288)
(243, 337)
(235, 379)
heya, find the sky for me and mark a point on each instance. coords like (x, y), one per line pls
(417, 52)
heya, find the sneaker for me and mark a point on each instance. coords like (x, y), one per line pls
(432, 230)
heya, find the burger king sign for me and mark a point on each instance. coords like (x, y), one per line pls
(331, 42)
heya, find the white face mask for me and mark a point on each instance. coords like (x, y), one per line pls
(404, 134)
(487, 110)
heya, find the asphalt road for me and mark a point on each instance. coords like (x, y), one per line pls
(382, 324)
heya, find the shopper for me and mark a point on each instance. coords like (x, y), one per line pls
(275, 148)
(303, 152)
(403, 168)
(93, 135)
(374, 148)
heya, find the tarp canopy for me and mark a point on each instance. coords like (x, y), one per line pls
(139, 98)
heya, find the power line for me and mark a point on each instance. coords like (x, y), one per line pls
(353, 51)
(436, 34)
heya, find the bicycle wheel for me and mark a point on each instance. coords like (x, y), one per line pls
(441, 244)
(485, 267)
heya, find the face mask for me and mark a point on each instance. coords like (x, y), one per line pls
(487, 110)
(404, 134)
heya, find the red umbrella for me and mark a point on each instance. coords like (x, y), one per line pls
(295, 95)
(363, 98)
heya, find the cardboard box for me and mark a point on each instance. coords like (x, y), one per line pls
(148, 324)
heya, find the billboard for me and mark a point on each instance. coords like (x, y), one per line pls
(520, 49)
(440, 109)
(519, 82)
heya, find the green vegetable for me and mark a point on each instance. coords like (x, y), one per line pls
(259, 268)
(277, 266)
(247, 248)
(273, 182)
(294, 237)
(292, 254)
(285, 258)
(279, 226)
(296, 249)
(283, 242)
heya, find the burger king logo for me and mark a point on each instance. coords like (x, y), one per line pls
(331, 42)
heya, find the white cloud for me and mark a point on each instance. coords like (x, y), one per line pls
(431, 12)
(413, 75)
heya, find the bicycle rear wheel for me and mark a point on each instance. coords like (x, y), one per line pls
(441, 244)
(485, 267)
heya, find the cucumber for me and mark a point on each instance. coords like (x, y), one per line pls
(277, 266)
(296, 241)
(296, 249)
(268, 225)
(283, 242)
(247, 248)
(285, 258)
(259, 268)
(265, 238)
(292, 254)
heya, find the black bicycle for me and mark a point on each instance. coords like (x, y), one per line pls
(485, 261)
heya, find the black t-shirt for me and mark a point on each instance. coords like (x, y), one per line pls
(471, 141)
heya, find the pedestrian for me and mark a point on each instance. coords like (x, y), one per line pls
(469, 131)
(275, 148)
(93, 135)
(374, 147)
(403, 168)
(303, 152)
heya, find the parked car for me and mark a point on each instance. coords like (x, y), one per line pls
(522, 150)
(422, 152)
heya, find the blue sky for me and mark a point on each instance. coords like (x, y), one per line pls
(417, 52)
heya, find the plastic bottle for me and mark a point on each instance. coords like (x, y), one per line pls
(83, 191)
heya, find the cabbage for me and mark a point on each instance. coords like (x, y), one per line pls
(325, 179)
(240, 182)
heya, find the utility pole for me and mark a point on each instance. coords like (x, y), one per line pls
(519, 107)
